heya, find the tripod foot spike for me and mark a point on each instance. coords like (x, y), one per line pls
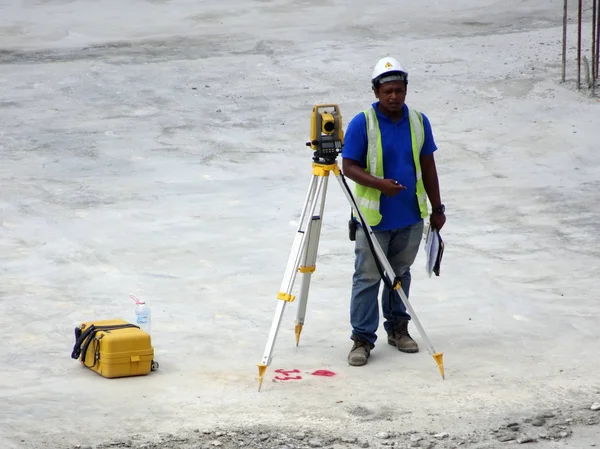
(438, 357)
(298, 331)
(262, 369)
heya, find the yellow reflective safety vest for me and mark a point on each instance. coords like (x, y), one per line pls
(368, 198)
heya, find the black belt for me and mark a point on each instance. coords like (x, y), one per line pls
(84, 339)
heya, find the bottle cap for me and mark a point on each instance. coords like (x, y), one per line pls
(137, 300)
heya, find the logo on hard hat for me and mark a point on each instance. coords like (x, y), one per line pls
(388, 65)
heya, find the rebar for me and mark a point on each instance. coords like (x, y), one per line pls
(579, 17)
(594, 20)
(564, 46)
(593, 62)
(597, 41)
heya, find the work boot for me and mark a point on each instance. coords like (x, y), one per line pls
(360, 352)
(401, 339)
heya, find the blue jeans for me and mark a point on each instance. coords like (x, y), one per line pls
(401, 247)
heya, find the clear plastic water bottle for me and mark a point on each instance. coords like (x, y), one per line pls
(143, 317)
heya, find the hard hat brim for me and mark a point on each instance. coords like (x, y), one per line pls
(389, 77)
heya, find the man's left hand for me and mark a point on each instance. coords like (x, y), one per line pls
(437, 220)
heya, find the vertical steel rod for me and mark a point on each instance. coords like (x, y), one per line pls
(594, 18)
(564, 46)
(579, 10)
(597, 40)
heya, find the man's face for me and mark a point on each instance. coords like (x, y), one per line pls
(392, 95)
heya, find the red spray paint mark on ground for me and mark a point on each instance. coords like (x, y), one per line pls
(323, 373)
(293, 374)
(286, 374)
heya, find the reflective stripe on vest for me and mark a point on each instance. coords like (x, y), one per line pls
(368, 199)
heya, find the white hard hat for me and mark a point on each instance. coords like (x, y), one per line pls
(388, 69)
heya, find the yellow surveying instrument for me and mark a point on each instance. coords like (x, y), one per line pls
(326, 133)
(327, 141)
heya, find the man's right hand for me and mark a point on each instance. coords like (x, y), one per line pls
(389, 187)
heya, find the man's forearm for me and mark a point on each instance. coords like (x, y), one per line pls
(431, 181)
(357, 174)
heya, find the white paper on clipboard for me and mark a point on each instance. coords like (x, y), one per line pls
(434, 249)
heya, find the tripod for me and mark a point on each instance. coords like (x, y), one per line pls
(303, 256)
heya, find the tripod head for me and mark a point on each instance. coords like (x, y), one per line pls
(326, 133)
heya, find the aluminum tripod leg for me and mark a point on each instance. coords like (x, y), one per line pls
(309, 261)
(304, 245)
(437, 356)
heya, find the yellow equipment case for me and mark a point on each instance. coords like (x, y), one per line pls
(114, 348)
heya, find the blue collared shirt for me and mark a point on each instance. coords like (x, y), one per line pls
(402, 209)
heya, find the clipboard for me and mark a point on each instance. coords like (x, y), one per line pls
(434, 249)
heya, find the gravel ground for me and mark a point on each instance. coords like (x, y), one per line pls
(545, 428)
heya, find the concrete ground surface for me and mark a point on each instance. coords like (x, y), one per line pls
(157, 148)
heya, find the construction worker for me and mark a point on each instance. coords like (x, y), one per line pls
(388, 153)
